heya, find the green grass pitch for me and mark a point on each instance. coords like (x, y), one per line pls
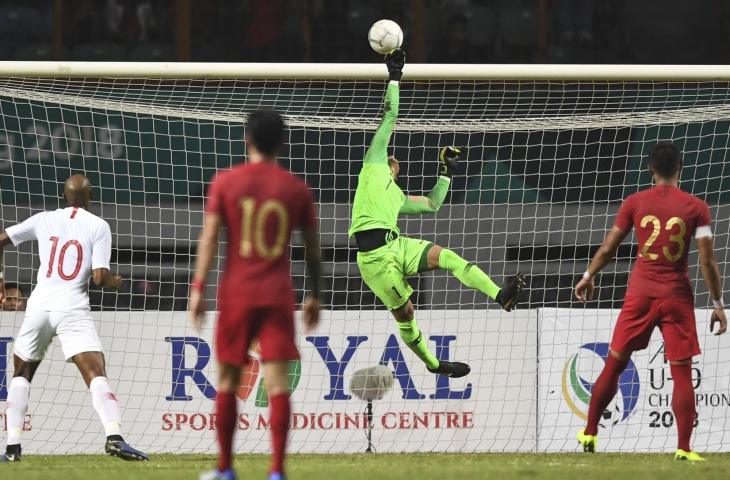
(381, 467)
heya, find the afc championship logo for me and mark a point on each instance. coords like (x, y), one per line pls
(588, 362)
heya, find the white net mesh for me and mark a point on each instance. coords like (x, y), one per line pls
(547, 165)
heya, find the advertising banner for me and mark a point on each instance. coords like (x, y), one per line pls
(164, 375)
(573, 347)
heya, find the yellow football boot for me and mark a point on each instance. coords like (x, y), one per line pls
(690, 456)
(589, 442)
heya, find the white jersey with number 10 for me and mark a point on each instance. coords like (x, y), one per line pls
(71, 243)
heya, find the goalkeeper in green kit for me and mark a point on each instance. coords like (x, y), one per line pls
(385, 258)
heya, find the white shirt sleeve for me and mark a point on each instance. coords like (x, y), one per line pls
(101, 250)
(703, 231)
(25, 230)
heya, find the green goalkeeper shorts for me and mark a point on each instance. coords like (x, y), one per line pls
(385, 269)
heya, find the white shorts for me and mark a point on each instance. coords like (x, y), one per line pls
(75, 329)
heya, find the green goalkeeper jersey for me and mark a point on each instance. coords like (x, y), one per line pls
(378, 199)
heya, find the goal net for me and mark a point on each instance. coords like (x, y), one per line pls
(549, 157)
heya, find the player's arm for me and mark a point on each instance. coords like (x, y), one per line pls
(101, 254)
(621, 227)
(207, 249)
(431, 203)
(312, 257)
(4, 240)
(605, 253)
(313, 260)
(104, 278)
(711, 272)
(378, 151)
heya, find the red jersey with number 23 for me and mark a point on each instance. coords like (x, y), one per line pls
(665, 219)
(261, 203)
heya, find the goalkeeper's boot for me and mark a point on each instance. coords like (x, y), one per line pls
(507, 296)
(12, 454)
(117, 447)
(589, 442)
(451, 369)
(276, 476)
(690, 456)
(218, 475)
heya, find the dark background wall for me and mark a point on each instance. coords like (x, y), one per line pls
(436, 31)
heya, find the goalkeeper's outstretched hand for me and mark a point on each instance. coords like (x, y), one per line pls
(449, 159)
(507, 296)
(395, 61)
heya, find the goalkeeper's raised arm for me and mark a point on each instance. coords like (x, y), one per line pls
(378, 151)
(415, 205)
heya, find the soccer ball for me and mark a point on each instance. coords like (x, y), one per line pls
(385, 36)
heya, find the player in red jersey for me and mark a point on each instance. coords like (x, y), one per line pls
(659, 292)
(259, 203)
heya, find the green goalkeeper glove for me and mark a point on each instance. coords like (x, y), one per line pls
(449, 159)
(395, 61)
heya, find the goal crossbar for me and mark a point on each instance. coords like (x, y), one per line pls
(366, 71)
(220, 90)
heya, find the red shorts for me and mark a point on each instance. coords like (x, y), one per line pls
(674, 317)
(239, 325)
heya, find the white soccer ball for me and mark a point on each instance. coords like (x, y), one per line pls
(385, 36)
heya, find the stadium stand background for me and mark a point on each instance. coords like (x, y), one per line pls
(448, 31)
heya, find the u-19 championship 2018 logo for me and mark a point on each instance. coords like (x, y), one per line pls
(577, 390)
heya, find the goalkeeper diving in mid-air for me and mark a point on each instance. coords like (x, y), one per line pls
(385, 257)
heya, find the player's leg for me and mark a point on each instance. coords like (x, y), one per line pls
(683, 406)
(409, 256)
(384, 271)
(226, 410)
(17, 406)
(278, 348)
(411, 334)
(605, 388)
(679, 330)
(235, 329)
(276, 376)
(413, 338)
(474, 277)
(81, 345)
(92, 366)
(632, 332)
(34, 336)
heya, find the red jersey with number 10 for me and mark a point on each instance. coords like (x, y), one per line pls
(261, 203)
(665, 219)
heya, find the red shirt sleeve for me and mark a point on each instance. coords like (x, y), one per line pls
(625, 218)
(703, 216)
(308, 215)
(214, 202)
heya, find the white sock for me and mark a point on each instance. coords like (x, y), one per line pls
(106, 405)
(17, 406)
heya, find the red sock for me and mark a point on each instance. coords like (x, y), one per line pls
(280, 412)
(225, 410)
(683, 403)
(603, 391)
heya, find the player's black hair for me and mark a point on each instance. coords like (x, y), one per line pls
(265, 129)
(666, 159)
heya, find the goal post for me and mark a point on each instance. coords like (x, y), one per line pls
(551, 150)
